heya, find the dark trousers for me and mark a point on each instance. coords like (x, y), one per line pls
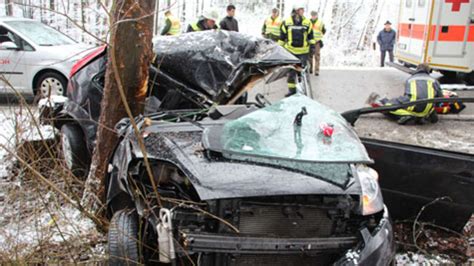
(293, 76)
(382, 57)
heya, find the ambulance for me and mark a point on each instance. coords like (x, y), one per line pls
(438, 32)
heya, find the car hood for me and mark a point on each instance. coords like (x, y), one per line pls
(62, 53)
(216, 177)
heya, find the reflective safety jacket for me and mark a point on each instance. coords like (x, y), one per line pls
(296, 37)
(271, 28)
(318, 29)
(418, 87)
(194, 26)
(175, 28)
(200, 25)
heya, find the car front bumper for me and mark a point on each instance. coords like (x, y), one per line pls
(376, 248)
(372, 248)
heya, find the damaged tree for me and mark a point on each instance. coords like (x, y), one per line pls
(126, 79)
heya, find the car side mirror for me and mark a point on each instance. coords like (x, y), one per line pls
(8, 46)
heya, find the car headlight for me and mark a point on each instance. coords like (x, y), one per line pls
(372, 201)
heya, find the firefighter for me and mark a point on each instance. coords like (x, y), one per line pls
(318, 32)
(271, 26)
(386, 40)
(418, 87)
(172, 25)
(229, 22)
(296, 35)
(205, 22)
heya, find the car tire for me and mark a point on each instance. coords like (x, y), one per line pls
(122, 239)
(50, 83)
(74, 150)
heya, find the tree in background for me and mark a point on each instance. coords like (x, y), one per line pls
(129, 56)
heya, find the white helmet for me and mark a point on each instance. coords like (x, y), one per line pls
(298, 5)
(211, 14)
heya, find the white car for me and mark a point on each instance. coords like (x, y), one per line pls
(35, 59)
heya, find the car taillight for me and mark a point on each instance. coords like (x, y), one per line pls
(86, 59)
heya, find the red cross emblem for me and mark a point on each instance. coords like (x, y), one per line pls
(457, 4)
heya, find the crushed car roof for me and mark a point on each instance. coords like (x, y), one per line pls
(216, 62)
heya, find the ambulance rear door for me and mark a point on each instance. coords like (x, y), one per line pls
(452, 36)
(413, 29)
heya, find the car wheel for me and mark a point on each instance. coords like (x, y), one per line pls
(123, 238)
(74, 150)
(51, 83)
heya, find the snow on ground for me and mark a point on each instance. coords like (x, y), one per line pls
(32, 217)
(16, 119)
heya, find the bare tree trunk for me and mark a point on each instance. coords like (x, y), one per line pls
(9, 7)
(84, 5)
(197, 9)
(369, 28)
(156, 18)
(126, 78)
(183, 13)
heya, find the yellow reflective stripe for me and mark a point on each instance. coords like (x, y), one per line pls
(318, 30)
(402, 112)
(413, 94)
(297, 50)
(175, 26)
(195, 27)
(291, 85)
(273, 26)
(429, 106)
(290, 37)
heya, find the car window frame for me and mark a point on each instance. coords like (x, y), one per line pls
(20, 37)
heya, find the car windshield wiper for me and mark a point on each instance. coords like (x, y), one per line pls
(352, 115)
(46, 44)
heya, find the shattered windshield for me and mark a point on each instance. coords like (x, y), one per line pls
(285, 136)
(273, 132)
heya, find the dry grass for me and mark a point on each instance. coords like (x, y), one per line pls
(41, 219)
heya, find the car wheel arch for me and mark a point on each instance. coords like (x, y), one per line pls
(43, 71)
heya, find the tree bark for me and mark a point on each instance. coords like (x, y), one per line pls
(129, 56)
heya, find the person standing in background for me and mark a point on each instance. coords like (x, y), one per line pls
(318, 32)
(386, 40)
(172, 25)
(205, 22)
(296, 36)
(271, 26)
(229, 22)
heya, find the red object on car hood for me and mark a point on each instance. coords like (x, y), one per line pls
(88, 58)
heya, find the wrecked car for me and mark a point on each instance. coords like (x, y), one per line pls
(283, 184)
(219, 68)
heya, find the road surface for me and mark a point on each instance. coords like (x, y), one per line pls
(348, 88)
